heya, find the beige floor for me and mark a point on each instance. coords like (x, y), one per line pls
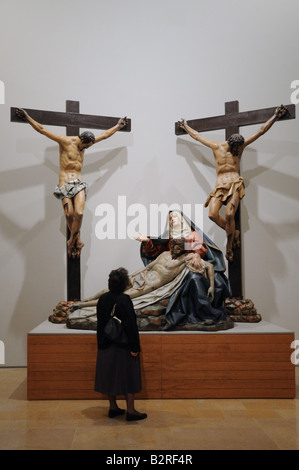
(171, 425)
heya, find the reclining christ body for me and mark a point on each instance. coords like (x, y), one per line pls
(166, 268)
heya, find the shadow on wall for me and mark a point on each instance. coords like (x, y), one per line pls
(107, 163)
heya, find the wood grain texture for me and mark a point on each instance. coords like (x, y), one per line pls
(173, 366)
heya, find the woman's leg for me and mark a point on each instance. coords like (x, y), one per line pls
(132, 414)
(130, 399)
(114, 410)
(112, 402)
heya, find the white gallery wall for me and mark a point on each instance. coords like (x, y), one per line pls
(154, 61)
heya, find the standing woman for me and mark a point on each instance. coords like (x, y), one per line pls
(118, 369)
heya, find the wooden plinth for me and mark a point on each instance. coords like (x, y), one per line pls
(173, 366)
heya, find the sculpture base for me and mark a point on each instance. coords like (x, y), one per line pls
(153, 318)
(249, 361)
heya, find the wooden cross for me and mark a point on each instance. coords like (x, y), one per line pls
(231, 121)
(73, 121)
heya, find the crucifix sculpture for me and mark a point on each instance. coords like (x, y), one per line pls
(229, 189)
(70, 189)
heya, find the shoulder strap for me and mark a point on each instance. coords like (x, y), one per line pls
(113, 309)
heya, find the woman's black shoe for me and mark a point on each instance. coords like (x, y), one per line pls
(113, 413)
(135, 416)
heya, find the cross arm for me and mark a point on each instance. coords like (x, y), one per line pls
(53, 118)
(109, 132)
(237, 119)
(278, 114)
(202, 125)
(25, 117)
(197, 136)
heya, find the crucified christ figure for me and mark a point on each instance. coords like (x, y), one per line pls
(229, 188)
(70, 189)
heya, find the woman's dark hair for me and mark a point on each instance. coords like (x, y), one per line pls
(118, 280)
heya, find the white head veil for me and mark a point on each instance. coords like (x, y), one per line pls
(183, 230)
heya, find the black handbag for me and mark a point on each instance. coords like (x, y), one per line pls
(114, 330)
